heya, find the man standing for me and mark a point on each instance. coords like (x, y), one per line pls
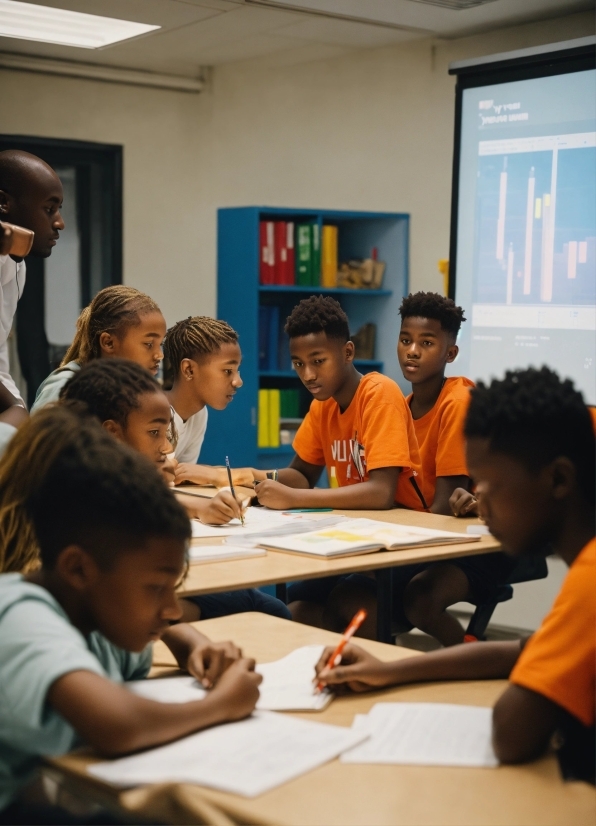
(31, 197)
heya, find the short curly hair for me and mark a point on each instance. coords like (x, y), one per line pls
(319, 313)
(110, 388)
(432, 305)
(535, 416)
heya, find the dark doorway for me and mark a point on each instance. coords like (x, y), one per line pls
(87, 258)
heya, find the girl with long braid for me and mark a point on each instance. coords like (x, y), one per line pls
(120, 322)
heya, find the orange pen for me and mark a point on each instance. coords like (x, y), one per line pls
(335, 658)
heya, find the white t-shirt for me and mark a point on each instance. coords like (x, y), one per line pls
(190, 435)
(12, 283)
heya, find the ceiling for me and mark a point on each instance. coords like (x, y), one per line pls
(196, 33)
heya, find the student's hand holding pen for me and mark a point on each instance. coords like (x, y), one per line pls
(358, 671)
(221, 509)
(463, 503)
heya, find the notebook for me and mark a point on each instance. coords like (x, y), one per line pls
(424, 734)
(217, 553)
(360, 536)
(287, 684)
(248, 757)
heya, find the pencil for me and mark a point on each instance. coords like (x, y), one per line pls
(233, 491)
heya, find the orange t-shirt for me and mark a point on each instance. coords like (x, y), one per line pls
(593, 415)
(440, 434)
(380, 420)
(559, 660)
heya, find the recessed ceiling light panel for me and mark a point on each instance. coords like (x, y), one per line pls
(27, 21)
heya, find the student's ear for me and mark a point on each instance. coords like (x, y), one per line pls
(187, 369)
(5, 201)
(107, 344)
(452, 354)
(76, 567)
(350, 351)
(562, 477)
(115, 428)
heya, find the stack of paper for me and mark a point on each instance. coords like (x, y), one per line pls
(217, 553)
(287, 684)
(358, 536)
(424, 734)
(249, 757)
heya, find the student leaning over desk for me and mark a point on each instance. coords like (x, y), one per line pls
(131, 405)
(113, 545)
(531, 451)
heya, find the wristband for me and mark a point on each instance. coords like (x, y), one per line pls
(272, 474)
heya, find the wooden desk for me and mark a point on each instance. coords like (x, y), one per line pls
(278, 567)
(365, 795)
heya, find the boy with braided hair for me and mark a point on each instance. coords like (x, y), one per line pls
(530, 450)
(203, 358)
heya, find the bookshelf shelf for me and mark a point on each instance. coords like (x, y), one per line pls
(233, 431)
(327, 290)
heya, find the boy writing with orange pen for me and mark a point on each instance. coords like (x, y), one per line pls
(531, 452)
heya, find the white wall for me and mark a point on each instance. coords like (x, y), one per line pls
(165, 198)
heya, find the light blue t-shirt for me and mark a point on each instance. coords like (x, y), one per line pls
(38, 644)
(49, 389)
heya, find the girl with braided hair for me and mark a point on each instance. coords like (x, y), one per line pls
(203, 359)
(120, 322)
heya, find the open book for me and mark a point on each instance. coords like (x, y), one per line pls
(361, 536)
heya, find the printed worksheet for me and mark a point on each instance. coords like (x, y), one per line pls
(425, 734)
(248, 758)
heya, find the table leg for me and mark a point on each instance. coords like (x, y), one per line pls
(384, 602)
(281, 592)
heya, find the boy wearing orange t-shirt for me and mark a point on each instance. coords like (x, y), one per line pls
(531, 452)
(358, 427)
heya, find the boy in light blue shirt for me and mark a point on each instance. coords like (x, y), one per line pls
(113, 546)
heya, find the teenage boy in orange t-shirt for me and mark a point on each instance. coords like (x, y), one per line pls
(358, 427)
(430, 324)
(530, 450)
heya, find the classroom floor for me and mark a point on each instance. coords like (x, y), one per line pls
(422, 642)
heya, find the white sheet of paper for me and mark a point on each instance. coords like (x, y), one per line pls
(262, 522)
(425, 734)
(287, 684)
(248, 758)
(217, 553)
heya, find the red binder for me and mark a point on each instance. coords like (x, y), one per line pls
(267, 252)
(284, 252)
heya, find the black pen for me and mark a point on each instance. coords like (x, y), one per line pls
(233, 491)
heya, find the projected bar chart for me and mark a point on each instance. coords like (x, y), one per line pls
(536, 233)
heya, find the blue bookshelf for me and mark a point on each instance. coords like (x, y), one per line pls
(233, 432)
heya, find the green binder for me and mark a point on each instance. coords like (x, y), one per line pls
(315, 274)
(303, 254)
